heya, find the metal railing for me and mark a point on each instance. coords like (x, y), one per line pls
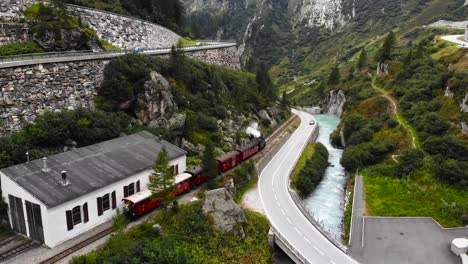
(65, 54)
(290, 247)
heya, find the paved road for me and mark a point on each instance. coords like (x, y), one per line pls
(454, 39)
(279, 207)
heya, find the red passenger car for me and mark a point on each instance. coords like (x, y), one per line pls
(249, 149)
(139, 203)
(181, 183)
(228, 160)
(198, 176)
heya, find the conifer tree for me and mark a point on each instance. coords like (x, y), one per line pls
(385, 52)
(334, 77)
(161, 180)
(208, 160)
(362, 61)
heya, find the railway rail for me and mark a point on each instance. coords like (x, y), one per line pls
(77, 247)
(27, 245)
(61, 255)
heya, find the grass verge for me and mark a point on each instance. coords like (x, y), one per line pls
(419, 195)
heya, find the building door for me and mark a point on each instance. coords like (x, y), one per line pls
(17, 214)
(34, 221)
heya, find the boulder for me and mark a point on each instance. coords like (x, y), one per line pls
(226, 214)
(155, 105)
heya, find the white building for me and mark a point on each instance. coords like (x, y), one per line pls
(55, 199)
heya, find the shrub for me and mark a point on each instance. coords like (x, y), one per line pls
(19, 48)
(409, 161)
(312, 172)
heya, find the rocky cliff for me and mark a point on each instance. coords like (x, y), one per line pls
(334, 103)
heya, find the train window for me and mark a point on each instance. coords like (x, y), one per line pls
(105, 202)
(131, 189)
(76, 215)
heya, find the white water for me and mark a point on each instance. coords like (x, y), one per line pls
(326, 203)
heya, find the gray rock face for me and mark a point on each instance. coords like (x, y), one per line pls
(334, 103)
(227, 215)
(66, 39)
(155, 106)
(228, 58)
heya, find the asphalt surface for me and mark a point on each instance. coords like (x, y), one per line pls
(283, 213)
(454, 39)
(407, 240)
(355, 239)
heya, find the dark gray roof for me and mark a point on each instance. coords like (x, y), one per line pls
(89, 168)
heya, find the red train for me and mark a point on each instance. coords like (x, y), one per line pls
(141, 202)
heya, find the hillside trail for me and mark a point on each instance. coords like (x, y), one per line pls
(399, 117)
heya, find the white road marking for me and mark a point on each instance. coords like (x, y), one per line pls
(282, 211)
(332, 262)
(297, 230)
(318, 250)
(279, 205)
(307, 240)
(289, 221)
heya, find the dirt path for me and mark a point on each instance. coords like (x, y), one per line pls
(400, 118)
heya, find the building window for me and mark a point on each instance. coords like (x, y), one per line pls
(131, 189)
(105, 202)
(76, 215)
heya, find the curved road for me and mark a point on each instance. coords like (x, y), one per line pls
(454, 39)
(283, 213)
(51, 57)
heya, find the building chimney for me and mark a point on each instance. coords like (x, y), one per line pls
(64, 178)
(44, 162)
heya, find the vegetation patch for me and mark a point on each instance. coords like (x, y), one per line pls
(19, 48)
(419, 195)
(312, 171)
(186, 237)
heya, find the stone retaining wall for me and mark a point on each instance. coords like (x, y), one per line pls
(13, 33)
(27, 91)
(126, 32)
(121, 31)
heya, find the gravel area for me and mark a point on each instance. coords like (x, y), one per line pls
(251, 200)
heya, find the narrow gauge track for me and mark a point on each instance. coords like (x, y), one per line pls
(67, 252)
(18, 249)
(77, 247)
(8, 240)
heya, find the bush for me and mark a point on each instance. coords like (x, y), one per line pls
(19, 48)
(409, 161)
(365, 154)
(312, 172)
(51, 130)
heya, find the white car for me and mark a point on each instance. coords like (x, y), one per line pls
(311, 122)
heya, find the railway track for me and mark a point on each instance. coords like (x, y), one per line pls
(280, 130)
(77, 247)
(67, 252)
(27, 245)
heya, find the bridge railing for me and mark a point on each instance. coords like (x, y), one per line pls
(78, 53)
(291, 249)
